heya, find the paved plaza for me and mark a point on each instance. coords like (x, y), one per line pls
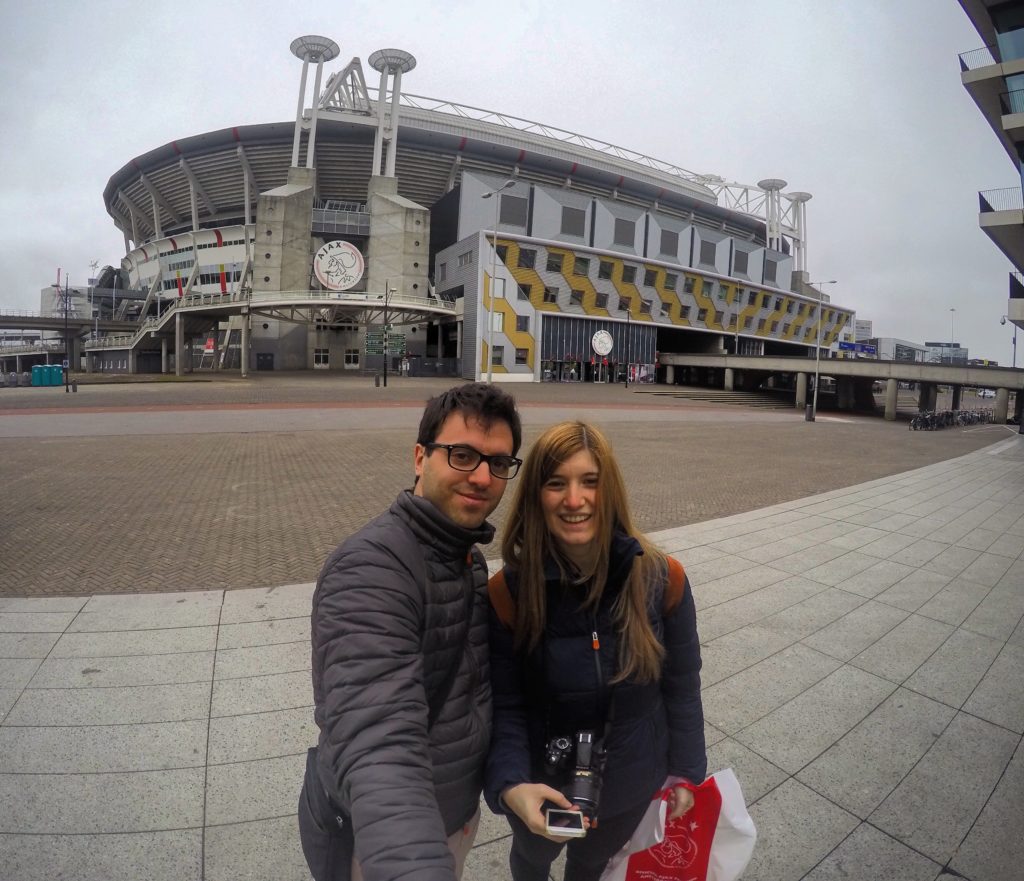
(863, 645)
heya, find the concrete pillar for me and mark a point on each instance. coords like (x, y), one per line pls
(245, 345)
(89, 358)
(1018, 406)
(188, 355)
(730, 380)
(956, 397)
(133, 361)
(892, 388)
(163, 354)
(801, 391)
(179, 345)
(17, 363)
(927, 396)
(670, 374)
(1002, 405)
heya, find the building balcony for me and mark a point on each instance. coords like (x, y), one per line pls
(1001, 218)
(983, 77)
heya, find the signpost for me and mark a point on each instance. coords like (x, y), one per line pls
(863, 348)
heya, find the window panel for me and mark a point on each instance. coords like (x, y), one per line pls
(574, 221)
(625, 232)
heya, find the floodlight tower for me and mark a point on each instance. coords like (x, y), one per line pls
(318, 49)
(799, 214)
(393, 63)
(772, 187)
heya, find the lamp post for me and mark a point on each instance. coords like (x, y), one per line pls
(386, 335)
(1003, 320)
(494, 273)
(817, 349)
(628, 346)
(952, 312)
(67, 338)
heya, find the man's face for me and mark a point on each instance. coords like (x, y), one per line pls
(467, 497)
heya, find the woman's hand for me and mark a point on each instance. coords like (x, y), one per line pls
(679, 802)
(525, 801)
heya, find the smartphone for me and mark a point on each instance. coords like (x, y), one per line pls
(566, 823)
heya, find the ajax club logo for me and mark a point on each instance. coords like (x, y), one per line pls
(338, 266)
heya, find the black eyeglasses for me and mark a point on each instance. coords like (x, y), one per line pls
(463, 458)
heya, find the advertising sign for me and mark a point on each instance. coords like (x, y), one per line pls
(338, 266)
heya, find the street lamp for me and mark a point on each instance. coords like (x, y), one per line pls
(952, 312)
(628, 302)
(817, 348)
(1003, 321)
(494, 274)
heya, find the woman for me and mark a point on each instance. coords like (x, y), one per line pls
(593, 638)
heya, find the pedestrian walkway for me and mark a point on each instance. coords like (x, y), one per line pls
(863, 654)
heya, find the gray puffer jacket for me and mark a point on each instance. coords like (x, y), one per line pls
(380, 649)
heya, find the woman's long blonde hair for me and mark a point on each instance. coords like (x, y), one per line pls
(528, 543)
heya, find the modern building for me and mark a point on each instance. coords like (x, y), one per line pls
(994, 77)
(891, 349)
(945, 353)
(378, 225)
(862, 330)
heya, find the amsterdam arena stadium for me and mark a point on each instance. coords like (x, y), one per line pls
(374, 227)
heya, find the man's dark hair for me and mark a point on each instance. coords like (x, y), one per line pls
(480, 400)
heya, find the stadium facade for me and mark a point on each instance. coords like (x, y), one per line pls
(233, 231)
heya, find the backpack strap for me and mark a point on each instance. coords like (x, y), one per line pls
(501, 599)
(675, 587)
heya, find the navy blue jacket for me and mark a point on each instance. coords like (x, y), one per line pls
(556, 690)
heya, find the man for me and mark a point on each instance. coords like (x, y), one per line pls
(400, 667)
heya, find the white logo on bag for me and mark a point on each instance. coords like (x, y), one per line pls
(679, 851)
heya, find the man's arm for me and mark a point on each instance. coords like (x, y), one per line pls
(367, 626)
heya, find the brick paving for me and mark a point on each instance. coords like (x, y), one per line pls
(159, 486)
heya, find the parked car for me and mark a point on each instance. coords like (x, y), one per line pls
(986, 393)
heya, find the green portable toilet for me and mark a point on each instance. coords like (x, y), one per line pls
(54, 371)
(37, 374)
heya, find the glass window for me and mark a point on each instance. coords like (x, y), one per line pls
(351, 357)
(498, 322)
(707, 252)
(650, 277)
(513, 210)
(645, 307)
(775, 327)
(554, 263)
(761, 324)
(628, 274)
(574, 221)
(688, 284)
(604, 269)
(702, 315)
(321, 357)
(550, 295)
(442, 272)
(709, 287)
(581, 266)
(523, 323)
(601, 300)
(669, 242)
(527, 258)
(684, 312)
(521, 356)
(785, 329)
(747, 322)
(671, 280)
(740, 260)
(625, 232)
(718, 317)
(465, 258)
(498, 356)
(765, 301)
(778, 304)
(625, 303)
(502, 253)
(524, 291)
(769, 271)
(576, 298)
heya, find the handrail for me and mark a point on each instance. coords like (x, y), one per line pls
(49, 345)
(976, 58)
(1012, 102)
(1006, 199)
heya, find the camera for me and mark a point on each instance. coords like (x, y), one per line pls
(584, 787)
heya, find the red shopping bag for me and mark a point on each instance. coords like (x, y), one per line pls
(713, 841)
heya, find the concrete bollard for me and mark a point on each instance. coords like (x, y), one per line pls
(809, 413)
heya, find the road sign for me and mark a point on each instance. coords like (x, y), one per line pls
(858, 347)
(65, 364)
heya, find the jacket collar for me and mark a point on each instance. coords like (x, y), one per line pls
(623, 551)
(437, 530)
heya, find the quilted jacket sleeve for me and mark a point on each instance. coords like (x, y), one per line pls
(374, 745)
(680, 684)
(508, 763)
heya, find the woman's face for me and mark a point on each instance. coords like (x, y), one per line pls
(569, 502)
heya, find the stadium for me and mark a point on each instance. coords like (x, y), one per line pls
(372, 230)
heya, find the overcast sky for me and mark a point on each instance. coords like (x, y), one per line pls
(857, 101)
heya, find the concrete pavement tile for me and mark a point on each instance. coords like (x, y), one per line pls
(955, 601)
(259, 694)
(492, 827)
(740, 700)
(144, 801)
(755, 775)
(701, 554)
(35, 622)
(885, 547)
(154, 618)
(42, 604)
(987, 569)
(788, 846)
(855, 539)
(863, 767)
(134, 602)
(264, 603)
(712, 593)
(997, 615)
(1017, 637)
(811, 615)
(736, 651)
(701, 573)
(978, 539)
(896, 522)
(263, 660)
(711, 734)
(8, 698)
(919, 553)
(27, 645)
(807, 559)
(994, 848)
(732, 614)
(1014, 576)
(112, 706)
(800, 730)
(862, 517)
(923, 528)
(261, 735)
(271, 788)
(838, 570)
(968, 760)
(139, 670)
(102, 748)
(155, 856)
(915, 590)
(956, 668)
(870, 855)
(16, 673)
(267, 850)
(774, 551)
(872, 581)
(1008, 546)
(135, 642)
(952, 561)
(824, 534)
(904, 648)
(999, 697)
(489, 862)
(856, 630)
(235, 636)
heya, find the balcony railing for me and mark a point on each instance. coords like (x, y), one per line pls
(1012, 102)
(1016, 285)
(976, 58)
(1008, 199)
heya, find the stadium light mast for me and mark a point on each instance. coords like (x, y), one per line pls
(318, 49)
(494, 276)
(393, 63)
